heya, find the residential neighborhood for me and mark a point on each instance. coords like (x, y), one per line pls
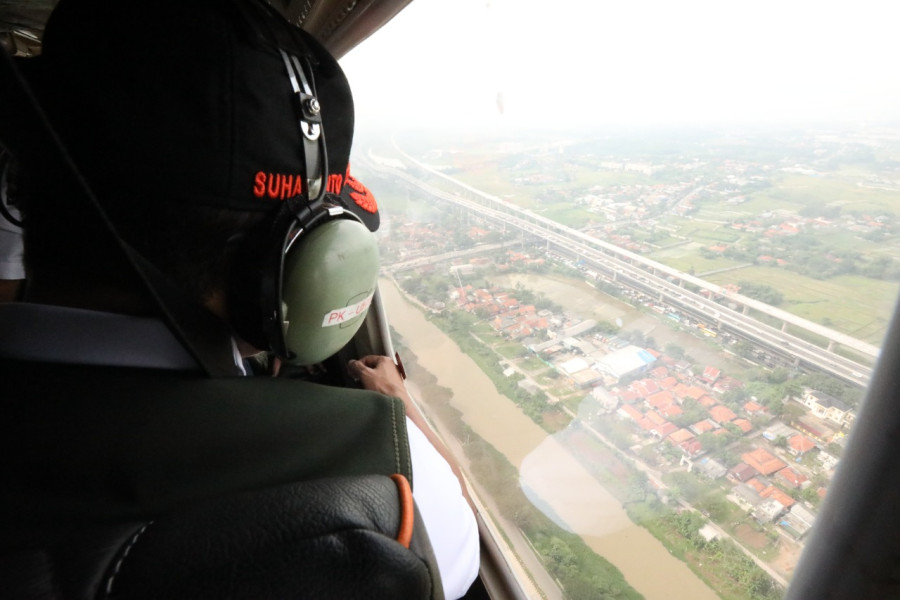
(666, 411)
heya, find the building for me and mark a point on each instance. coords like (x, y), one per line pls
(767, 511)
(741, 472)
(586, 378)
(792, 478)
(798, 521)
(744, 496)
(776, 494)
(709, 467)
(721, 414)
(626, 361)
(816, 428)
(799, 445)
(703, 426)
(572, 366)
(743, 424)
(762, 461)
(828, 407)
(777, 430)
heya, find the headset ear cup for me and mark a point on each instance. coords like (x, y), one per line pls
(329, 278)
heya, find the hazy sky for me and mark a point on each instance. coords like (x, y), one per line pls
(629, 62)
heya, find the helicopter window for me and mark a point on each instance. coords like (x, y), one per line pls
(640, 259)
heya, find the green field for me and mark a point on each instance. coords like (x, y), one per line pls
(851, 304)
(687, 256)
(793, 192)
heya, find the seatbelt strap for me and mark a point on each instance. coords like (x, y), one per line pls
(203, 335)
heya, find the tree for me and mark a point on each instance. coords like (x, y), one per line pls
(744, 349)
(675, 351)
(793, 411)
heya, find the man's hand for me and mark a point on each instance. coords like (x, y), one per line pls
(379, 374)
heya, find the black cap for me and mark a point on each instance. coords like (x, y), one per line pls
(190, 101)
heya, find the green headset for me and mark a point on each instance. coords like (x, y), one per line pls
(304, 279)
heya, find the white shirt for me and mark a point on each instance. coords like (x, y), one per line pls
(12, 250)
(69, 335)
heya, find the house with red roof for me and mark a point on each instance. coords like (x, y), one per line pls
(655, 417)
(710, 374)
(668, 383)
(628, 411)
(752, 408)
(646, 424)
(763, 461)
(707, 401)
(721, 414)
(703, 426)
(791, 477)
(756, 484)
(680, 436)
(776, 494)
(691, 447)
(799, 445)
(664, 430)
(644, 387)
(672, 410)
(660, 399)
(627, 395)
(744, 425)
(659, 373)
(680, 391)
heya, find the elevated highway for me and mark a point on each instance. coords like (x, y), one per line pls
(666, 284)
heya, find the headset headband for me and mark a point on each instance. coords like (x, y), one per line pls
(310, 121)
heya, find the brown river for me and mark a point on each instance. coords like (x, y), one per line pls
(555, 480)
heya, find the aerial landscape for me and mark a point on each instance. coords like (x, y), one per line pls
(693, 318)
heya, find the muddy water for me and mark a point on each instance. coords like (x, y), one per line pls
(552, 478)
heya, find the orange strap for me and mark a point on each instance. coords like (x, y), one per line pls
(404, 536)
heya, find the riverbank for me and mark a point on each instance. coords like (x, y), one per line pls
(646, 564)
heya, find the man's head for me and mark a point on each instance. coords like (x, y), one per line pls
(204, 128)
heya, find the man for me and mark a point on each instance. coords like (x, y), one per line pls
(182, 117)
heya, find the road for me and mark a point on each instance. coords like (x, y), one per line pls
(625, 268)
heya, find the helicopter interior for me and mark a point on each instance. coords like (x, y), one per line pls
(854, 550)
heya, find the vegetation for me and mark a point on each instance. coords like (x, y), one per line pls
(738, 575)
(762, 292)
(582, 573)
(458, 325)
